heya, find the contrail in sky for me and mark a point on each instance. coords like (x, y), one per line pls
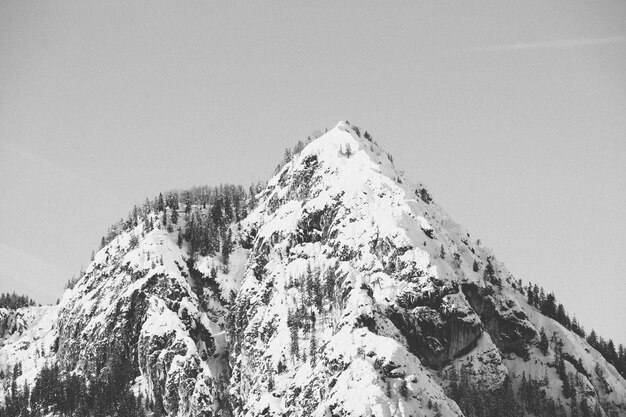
(62, 172)
(559, 43)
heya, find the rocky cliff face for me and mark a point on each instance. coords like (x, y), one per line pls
(135, 308)
(349, 293)
(27, 338)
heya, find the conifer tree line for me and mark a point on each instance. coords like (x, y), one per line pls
(65, 394)
(202, 216)
(547, 304)
(291, 153)
(529, 399)
(226, 203)
(13, 301)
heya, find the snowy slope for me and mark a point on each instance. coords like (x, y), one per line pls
(349, 293)
(406, 296)
(27, 337)
(137, 303)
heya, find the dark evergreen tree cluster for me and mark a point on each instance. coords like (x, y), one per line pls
(548, 305)
(544, 343)
(207, 228)
(573, 385)
(208, 212)
(292, 153)
(226, 203)
(64, 394)
(615, 357)
(317, 288)
(530, 399)
(489, 274)
(14, 301)
(479, 402)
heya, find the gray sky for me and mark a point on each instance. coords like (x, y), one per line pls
(512, 112)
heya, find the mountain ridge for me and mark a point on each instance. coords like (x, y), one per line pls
(344, 291)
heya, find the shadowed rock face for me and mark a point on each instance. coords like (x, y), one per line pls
(435, 333)
(505, 320)
(433, 337)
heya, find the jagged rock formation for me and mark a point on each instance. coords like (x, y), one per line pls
(349, 293)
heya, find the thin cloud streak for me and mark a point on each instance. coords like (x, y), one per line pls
(62, 171)
(19, 266)
(559, 43)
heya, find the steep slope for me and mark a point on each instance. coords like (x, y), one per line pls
(136, 309)
(27, 338)
(345, 292)
(360, 288)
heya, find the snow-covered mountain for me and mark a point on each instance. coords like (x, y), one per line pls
(345, 291)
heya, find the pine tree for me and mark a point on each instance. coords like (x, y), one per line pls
(214, 274)
(456, 260)
(174, 216)
(535, 292)
(293, 331)
(541, 299)
(585, 411)
(489, 275)
(437, 410)
(160, 203)
(226, 251)
(575, 411)
(252, 199)
(404, 389)
(549, 308)
(308, 283)
(318, 295)
(544, 344)
(576, 328)
(329, 283)
(560, 370)
(561, 315)
(313, 349)
(454, 383)
(611, 355)
(507, 402)
(523, 391)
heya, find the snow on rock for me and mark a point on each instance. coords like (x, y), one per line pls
(29, 336)
(349, 292)
(136, 305)
(394, 270)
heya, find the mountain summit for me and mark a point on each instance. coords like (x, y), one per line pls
(338, 289)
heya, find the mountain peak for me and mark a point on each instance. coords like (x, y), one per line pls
(340, 289)
(347, 151)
